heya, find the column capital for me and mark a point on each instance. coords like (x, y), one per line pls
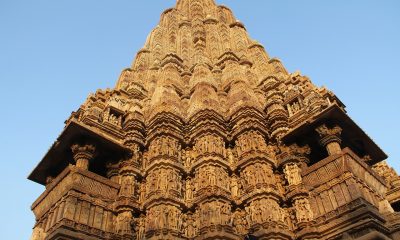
(83, 154)
(329, 135)
(330, 138)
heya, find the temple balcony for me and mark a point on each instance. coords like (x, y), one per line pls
(340, 179)
(343, 191)
(80, 200)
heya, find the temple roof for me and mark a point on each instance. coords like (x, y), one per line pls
(200, 58)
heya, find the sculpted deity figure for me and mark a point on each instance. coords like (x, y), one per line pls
(258, 174)
(183, 157)
(136, 152)
(272, 150)
(212, 176)
(163, 180)
(171, 218)
(154, 147)
(250, 176)
(128, 186)
(163, 217)
(179, 220)
(303, 210)
(189, 190)
(149, 220)
(231, 157)
(257, 212)
(275, 212)
(145, 159)
(141, 228)
(265, 214)
(124, 223)
(193, 154)
(185, 223)
(234, 187)
(142, 191)
(249, 214)
(179, 185)
(188, 156)
(196, 185)
(293, 174)
(216, 213)
(295, 106)
(239, 222)
(191, 227)
(225, 214)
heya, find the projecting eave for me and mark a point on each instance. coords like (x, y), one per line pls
(352, 135)
(59, 155)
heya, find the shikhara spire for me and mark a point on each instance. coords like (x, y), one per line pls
(207, 137)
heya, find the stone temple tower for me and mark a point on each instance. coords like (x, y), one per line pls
(207, 137)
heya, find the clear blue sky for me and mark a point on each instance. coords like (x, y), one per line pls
(54, 53)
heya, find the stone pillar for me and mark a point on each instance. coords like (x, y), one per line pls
(127, 203)
(127, 174)
(82, 155)
(277, 115)
(113, 172)
(330, 138)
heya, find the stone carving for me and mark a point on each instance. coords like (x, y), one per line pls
(388, 173)
(124, 223)
(250, 141)
(215, 213)
(210, 144)
(231, 157)
(141, 228)
(294, 107)
(234, 187)
(205, 137)
(258, 174)
(303, 210)
(113, 118)
(263, 210)
(239, 222)
(190, 226)
(128, 186)
(189, 190)
(212, 176)
(292, 174)
(164, 180)
(164, 217)
(164, 146)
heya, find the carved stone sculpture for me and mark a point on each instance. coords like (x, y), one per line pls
(293, 174)
(205, 136)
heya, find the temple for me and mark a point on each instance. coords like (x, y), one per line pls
(206, 136)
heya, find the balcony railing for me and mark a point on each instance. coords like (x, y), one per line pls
(340, 179)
